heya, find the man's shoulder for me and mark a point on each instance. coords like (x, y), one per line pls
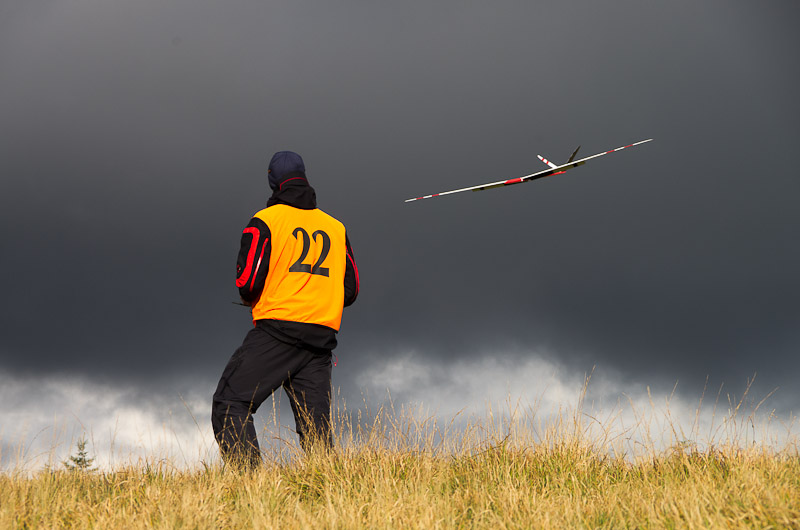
(329, 216)
(272, 211)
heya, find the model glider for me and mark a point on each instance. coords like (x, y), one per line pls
(554, 170)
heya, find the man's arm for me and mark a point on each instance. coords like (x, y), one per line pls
(351, 283)
(252, 264)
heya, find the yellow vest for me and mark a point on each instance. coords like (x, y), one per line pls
(307, 264)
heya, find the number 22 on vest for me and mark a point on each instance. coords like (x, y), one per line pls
(318, 269)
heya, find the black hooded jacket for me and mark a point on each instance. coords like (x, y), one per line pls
(294, 191)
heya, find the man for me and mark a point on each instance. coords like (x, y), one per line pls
(296, 271)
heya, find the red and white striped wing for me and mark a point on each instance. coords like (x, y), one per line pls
(556, 170)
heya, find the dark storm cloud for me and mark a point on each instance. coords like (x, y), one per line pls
(135, 137)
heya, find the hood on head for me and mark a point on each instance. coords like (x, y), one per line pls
(285, 165)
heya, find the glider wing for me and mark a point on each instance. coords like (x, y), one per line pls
(554, 170)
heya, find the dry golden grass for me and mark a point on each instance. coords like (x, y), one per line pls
(401, 472)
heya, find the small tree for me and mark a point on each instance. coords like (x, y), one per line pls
(81, 460)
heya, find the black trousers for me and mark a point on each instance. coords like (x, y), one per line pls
(257, 368)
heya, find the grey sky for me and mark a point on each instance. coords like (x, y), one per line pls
(134, 139)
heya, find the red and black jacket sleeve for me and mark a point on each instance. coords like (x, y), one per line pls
(351, 282)
(252, 265)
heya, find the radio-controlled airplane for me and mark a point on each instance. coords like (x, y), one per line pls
(554, 170)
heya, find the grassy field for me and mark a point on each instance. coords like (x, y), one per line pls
(397, 471)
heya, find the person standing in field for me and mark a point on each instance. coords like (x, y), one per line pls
(297, 272)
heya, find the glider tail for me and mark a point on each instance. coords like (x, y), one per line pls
(573, 154)
(552, 165)
(546, 161)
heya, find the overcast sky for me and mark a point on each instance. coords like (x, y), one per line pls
(135, 137)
